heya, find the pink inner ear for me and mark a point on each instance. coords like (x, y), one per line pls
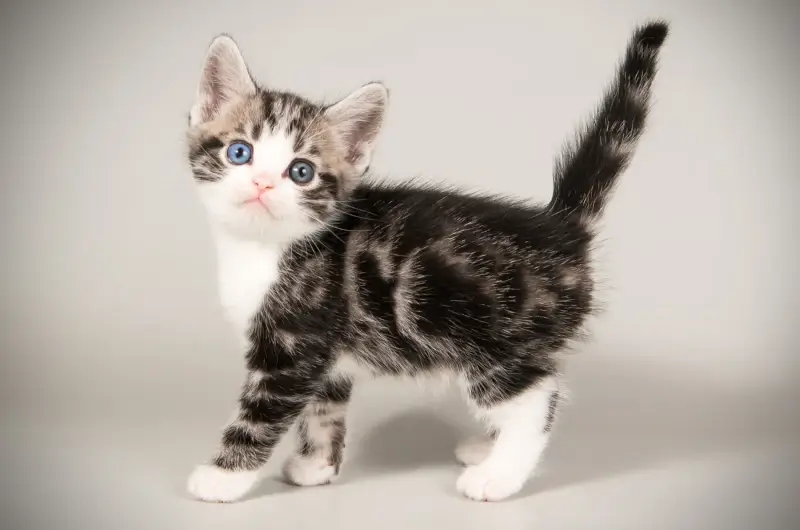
(362, 131)
(212, 89)
(224, 77)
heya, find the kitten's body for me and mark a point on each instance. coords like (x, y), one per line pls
(338, 277)
(422, 280)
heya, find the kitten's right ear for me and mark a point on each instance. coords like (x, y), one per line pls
(224, 77)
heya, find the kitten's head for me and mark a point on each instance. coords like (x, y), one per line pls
(271, 164)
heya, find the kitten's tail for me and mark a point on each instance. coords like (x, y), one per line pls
(587, 171)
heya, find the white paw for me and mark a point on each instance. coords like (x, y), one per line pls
(308, 471)
(214, 484)
(474, 451)
(482, 483)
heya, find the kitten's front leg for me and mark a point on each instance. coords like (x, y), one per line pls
(321, 431)
(269, 403)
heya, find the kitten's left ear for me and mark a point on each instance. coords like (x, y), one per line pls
(358, 119)
(224, 77)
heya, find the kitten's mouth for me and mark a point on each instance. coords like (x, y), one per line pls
(256, 202)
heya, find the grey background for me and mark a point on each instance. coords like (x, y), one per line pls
(118, 371)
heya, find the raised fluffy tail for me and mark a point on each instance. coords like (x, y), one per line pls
(587, 171)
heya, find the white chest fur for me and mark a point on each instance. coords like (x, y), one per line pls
(246, 271)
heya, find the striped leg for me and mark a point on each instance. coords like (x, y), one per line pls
(270, 402)
(321, 431)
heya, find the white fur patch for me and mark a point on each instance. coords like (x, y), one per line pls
(516, 451)
(247, 269)
(213, 484)
(309, 470)
(486, 483)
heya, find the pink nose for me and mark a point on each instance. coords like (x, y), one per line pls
(263, 182)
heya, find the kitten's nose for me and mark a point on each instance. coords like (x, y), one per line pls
(263, 182)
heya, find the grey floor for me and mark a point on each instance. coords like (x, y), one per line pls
(638, 451)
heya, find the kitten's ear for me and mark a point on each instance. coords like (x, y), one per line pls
(224, 77)
(358, 119)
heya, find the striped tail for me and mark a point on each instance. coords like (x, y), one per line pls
(588, 170)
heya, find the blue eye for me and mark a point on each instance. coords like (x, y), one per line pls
(301, 172)
(240, 153)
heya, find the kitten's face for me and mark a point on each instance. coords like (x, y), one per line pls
(271, 165)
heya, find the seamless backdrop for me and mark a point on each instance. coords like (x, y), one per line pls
(118, 370)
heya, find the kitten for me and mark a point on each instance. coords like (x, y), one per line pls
(326, 275)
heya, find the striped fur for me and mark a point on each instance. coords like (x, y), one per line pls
(588, 170)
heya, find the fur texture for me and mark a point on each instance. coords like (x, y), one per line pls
(342, 275)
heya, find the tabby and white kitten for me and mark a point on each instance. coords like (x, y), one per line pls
(327, 276)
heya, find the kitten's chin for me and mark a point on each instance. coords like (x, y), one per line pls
(256, 207)
(256, 223)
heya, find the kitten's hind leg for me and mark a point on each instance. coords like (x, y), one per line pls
(320, 431)
(522, 424)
